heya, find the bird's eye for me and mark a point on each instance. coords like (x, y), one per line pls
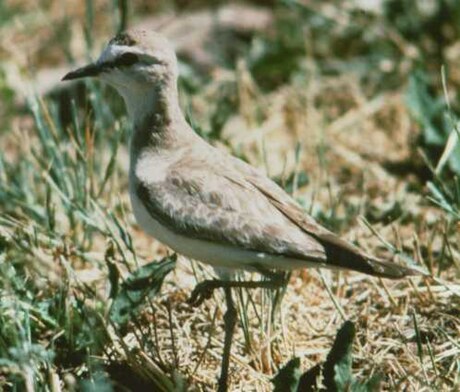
(127, 59)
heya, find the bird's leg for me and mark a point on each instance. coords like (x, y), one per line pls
(204, 290)
(229, 325)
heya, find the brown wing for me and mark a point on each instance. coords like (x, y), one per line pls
(339, 252)
(206, 205)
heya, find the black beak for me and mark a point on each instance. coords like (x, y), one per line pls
(84, 72)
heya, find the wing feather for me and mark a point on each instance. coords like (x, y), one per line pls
(210, 207)
(234, 204)
(339, 252)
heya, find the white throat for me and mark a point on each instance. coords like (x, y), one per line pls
(140, 102)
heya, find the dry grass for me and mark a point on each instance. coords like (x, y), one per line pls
(360, 148)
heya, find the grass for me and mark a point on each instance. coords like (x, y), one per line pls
(345, 108)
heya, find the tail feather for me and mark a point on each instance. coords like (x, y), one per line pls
(342, 254)
(339, 253)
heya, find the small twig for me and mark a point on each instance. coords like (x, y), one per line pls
(331, 295)
(173, 342)
(390, 297)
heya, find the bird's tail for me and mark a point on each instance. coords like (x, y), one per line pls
(341, 254)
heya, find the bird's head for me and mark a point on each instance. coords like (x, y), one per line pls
(132, 59)
(135, 62)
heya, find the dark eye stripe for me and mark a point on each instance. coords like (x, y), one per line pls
(126, 59)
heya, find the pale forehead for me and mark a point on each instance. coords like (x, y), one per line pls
(138, 42)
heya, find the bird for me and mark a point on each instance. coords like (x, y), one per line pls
(203, 202)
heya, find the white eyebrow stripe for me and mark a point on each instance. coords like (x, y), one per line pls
(111, 52)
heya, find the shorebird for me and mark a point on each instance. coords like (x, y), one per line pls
(203, 202)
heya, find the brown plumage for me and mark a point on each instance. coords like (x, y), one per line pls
(203, 202)
(211, 196)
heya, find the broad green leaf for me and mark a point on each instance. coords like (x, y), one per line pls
(425, 109)
(336, 372)
(337, 368)
(143, 283)
(287, 379)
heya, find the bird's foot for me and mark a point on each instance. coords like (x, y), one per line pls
(203, 291)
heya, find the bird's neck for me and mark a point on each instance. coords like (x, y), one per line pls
(157, 119)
